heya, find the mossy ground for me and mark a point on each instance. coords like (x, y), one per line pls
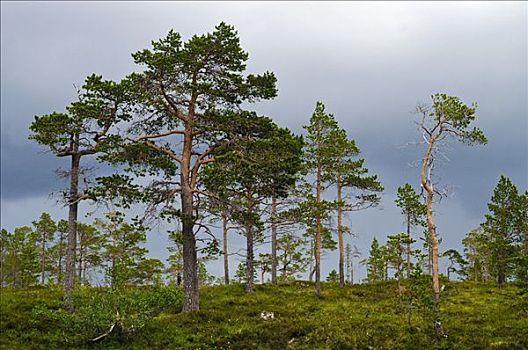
(474, 316)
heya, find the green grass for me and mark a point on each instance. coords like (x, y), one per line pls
(474, 316)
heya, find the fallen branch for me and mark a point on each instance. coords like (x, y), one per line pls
(107, 333)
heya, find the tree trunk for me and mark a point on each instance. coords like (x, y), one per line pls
(72, 230)
(433, 240)
(399, 267)
(2, 266)
(409, 245)
(347, 263)
(43, 259)
(59, 275)
(312, 257)
(190, 261)
(224, 252)
(273, 239)
(318, 233)
(79, 271)
(249, 259)
(351, 271)
(250, 272)
(340, 234)
(501, 277)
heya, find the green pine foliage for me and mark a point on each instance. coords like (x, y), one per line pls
(497, 250)
(375, 262)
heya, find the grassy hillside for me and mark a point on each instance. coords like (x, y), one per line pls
(475, 316)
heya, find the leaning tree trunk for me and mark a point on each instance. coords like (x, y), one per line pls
(273, 239)
(224, 249)
(72, 231)
(340, 234)
(431, 228)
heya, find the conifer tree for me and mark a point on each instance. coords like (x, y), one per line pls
(396, 248)
(148, 271)
(375, 262)
(122, 250)
(20, 257)
(521, 239)
(502, 228)
(347, 172)
(187, 98)
(175, 259)
(455, 259)
(477, 255)
(320, 152)
(332, 277)
(58, 250)
(447, 117)
(248, 173)
(414, 211)
(291, 255)
(4, 251)
(89, 250)
(25, 257)
(45, 229)
(80, 131)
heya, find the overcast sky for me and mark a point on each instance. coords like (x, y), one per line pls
(370, 63)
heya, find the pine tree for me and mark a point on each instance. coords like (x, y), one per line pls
(28, 256)
(455, 259)
(81, 131)
(122, 250)
(375, 262)
(477, 253)
(347, 172)
(292, 255)
(247, 173)
(447, 117)
(521, 239)
(320, 152)
(332, 277)
(175, 259)
(58, 251)
(5, 237)
(414, 212)
(148, 271)
(188, 98)
(45, 229)
(89, 250)
(501, 228)
(395, 249)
